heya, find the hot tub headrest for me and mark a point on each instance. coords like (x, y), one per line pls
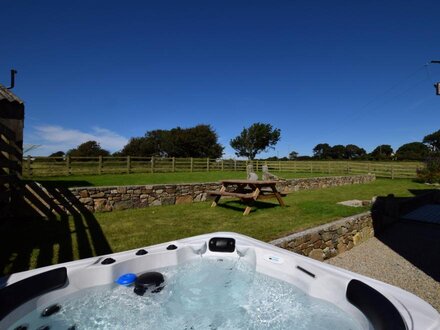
(16, 294)
(222, 244)
(381, 312)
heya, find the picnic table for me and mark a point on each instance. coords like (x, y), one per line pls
(248, 191)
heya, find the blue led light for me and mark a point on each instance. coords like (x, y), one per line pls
(126, 279)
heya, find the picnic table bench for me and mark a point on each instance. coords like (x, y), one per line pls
(248, 191)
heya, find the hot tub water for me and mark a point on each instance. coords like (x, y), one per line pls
(207, 293)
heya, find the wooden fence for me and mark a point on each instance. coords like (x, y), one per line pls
(11, 151)
(61, 166)
(10, 168)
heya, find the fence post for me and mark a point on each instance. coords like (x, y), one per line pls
(174, 164)
(279, 166)
(152, 164)
(29, 166)
(68, 165)
(191, 164)
(256, 170)
(294, 166)
(207, 164)
(347, 170)
(369, 171)
(128, 164)
(311, 167)
(328, 163)
(223, 165)
(392, 171)
(99, 165)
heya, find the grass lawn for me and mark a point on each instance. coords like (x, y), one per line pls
(156, 178)
(43, 242)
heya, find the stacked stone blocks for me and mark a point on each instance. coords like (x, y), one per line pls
(329, 240)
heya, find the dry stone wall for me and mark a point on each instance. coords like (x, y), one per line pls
(329, 240)
(104, 199)
(324, 182)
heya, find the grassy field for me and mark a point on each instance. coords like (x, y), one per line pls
(43, 242)
(155, 178)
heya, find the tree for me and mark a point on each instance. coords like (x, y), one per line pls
(293, 155)
(149, 145)
(382, 152)
(352, 151)
(431, 172)
(433, 141)
(257, 138)
(88, 149)
(57, 154)
(198, 141)
(117, 154)
(322, 151)
(134, 148)
(304, 158)
(412, 151)
(337, 152)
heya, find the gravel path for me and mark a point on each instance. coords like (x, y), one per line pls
(375, 259)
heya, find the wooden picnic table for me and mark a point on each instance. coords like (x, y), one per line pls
(248, 191)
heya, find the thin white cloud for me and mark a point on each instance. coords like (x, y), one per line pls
(55, 138)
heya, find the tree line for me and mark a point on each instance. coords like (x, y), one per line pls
(201, 141)
(408, 151)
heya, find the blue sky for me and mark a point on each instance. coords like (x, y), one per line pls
(338, 72)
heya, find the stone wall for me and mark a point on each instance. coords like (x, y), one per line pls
(104, 199)
(331, 239)
(101, 199)
(324, 182)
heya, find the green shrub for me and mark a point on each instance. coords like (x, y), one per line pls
(430, 174)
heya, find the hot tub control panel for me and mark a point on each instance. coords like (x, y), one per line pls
(222, 244)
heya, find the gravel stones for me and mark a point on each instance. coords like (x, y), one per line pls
(375, 259)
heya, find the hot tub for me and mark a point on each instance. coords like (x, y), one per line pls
(213, 281)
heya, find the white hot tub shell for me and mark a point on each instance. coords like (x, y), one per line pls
(373, 304)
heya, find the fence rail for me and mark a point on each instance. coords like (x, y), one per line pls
(62, 166)
(10, 167)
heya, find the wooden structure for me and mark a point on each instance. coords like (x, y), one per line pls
(11, 149)
(37, 166)
(248, 191)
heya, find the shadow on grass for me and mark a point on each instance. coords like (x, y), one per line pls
(61, 183)
(240, 207)
(48, 225)
(416, 241)
(417, 192)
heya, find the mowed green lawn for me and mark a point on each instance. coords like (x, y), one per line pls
(157, 178)
(42, 242)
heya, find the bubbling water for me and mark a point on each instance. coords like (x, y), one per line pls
(203, 294)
